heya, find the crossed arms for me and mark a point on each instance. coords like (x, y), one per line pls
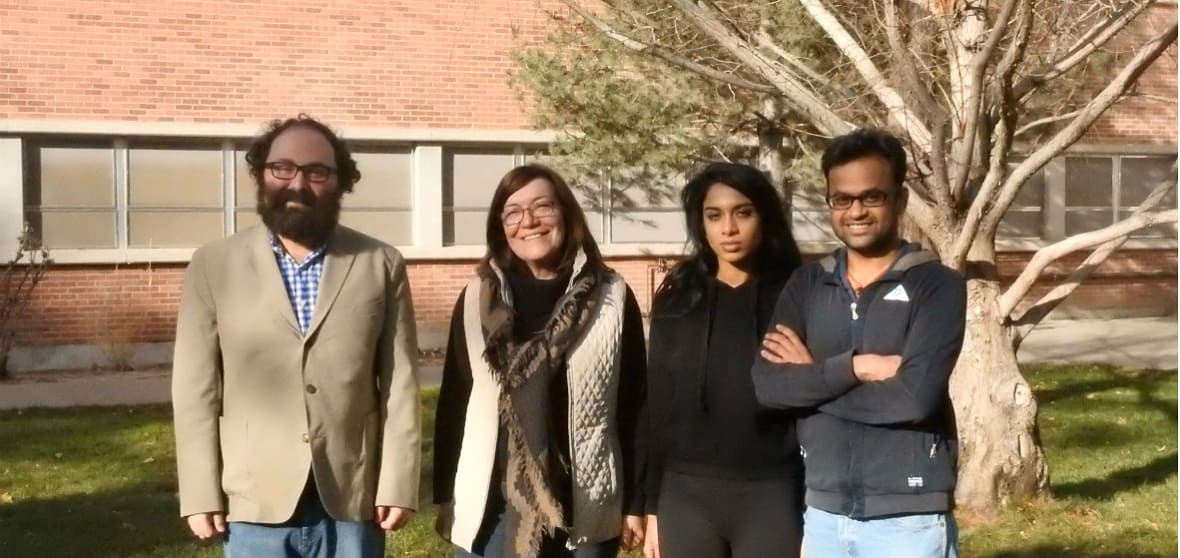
(866, 388)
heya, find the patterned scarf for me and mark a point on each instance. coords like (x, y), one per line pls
(524, 371)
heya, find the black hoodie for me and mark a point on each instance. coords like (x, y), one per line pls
(877, 448)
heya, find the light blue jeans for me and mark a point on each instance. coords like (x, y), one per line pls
(827, 535)
(311, 533)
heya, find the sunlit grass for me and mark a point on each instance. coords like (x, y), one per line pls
(100, 482)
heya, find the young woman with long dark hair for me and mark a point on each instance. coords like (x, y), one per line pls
(724, 477)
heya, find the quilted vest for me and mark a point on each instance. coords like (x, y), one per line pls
(593, 377)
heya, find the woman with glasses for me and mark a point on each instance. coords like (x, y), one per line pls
(725, 477)
(536, 447)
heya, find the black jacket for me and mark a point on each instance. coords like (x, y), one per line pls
(877, 448)
(707, 422)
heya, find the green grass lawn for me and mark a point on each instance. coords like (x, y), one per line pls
(101, 482)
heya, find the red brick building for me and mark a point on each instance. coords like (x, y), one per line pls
(123, 126)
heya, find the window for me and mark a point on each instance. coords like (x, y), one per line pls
(637, 217)
(146, 193)
(1103, 189)
(1025, 217)
(381, 204)
(1138, 177)
(245, 193)
(70, 194)
(1089, 194)
(470, 177)
(175, 195)
(115, 194)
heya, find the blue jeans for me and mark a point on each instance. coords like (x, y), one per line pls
(550, 547)
(310, 533)
(827, 535)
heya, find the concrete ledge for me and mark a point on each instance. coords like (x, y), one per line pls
(35, 359)
(88, 357)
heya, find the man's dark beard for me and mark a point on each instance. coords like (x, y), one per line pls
(309, 225)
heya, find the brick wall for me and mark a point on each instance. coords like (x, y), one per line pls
(400, 63)
(1149, 117)
(95, 304)
(407, 63)
(100, 304)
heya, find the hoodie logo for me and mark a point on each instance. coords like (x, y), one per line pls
(915, 482)
(898, 293)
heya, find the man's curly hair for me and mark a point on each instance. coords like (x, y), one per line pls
(256, 156)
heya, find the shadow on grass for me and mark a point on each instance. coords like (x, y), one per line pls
(137, 519)
(1144, 382)
(1158, 471)
(1100, 435)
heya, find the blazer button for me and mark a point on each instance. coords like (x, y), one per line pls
(305, 438)
(310, 388)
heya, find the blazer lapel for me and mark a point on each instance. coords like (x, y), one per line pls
(274, 291)
(337, 263)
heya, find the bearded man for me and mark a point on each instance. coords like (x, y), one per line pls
(294, 384)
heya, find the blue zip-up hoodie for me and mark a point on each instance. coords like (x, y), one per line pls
(877, 448)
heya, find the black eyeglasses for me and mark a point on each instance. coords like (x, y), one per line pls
(314, 172)
(872, 198)
(539, 210)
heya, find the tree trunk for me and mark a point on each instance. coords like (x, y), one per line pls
(1000, 455)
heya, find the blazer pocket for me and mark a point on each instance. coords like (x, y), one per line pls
(235, 467)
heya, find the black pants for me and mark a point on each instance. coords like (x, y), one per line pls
(707, 517)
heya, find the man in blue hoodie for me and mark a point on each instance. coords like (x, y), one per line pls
(863, 346)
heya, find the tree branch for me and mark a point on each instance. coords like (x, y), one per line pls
(1093, 39)
(1126, 77)
(899, 111)
(798, 96)
(904, 59)
(973, 91)
(1024, 283)
(997, 164)
(767, 42)
(937, 183)
(1018, 47)
(1117, 232)
(1045, 121)
(664, 54)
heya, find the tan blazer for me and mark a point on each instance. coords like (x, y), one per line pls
(258, 404)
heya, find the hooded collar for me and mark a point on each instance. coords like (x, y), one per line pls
(912, 255)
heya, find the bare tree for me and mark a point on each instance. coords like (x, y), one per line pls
(17, 280)
(968, 84)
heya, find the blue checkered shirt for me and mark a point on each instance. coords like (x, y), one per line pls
(302, 280)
